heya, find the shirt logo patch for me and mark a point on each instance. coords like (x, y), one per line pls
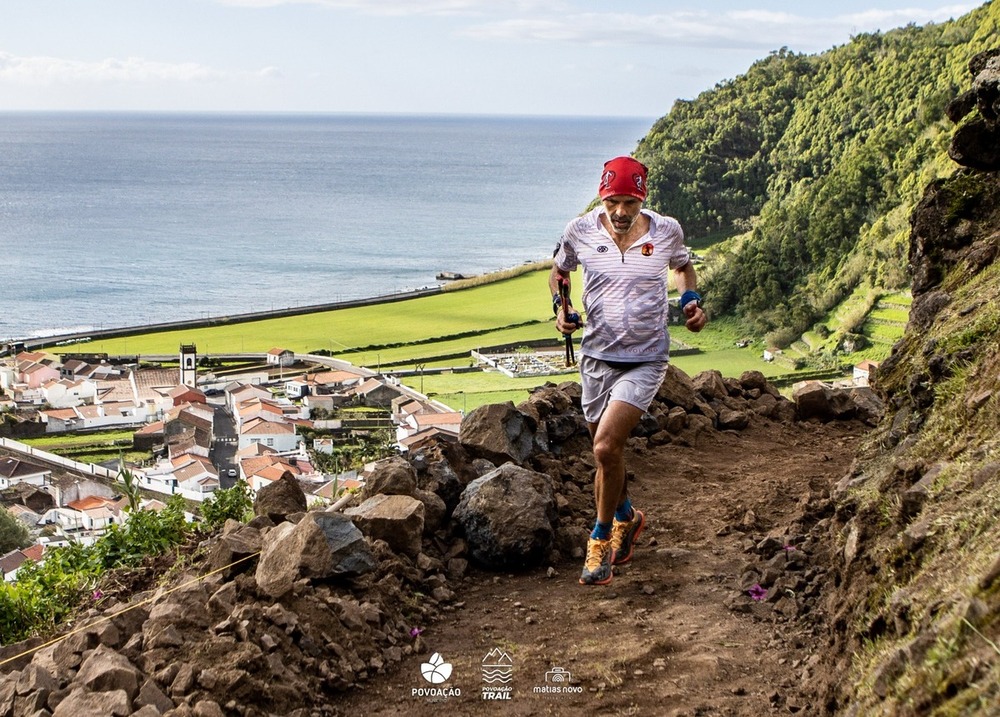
(647, 249)
(602, 249)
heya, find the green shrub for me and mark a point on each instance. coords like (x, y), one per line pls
(48, 592)
(234, 503)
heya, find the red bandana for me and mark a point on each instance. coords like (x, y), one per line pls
(623, 176)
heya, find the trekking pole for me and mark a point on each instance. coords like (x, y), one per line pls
(569, 316)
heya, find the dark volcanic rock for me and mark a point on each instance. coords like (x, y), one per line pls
(507, 517)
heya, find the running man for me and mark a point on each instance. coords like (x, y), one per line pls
(626, 252)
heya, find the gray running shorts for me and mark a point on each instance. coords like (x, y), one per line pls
(603, 384)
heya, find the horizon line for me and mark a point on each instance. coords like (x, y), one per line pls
(323, 113)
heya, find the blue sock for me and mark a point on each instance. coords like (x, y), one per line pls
(602, 531)
(624, 512)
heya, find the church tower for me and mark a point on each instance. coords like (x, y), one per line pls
(189, 365)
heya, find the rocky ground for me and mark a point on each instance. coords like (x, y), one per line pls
(301, 613)
(676, 632)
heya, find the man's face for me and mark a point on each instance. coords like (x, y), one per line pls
(622, 211)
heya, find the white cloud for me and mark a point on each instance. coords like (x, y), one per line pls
(731, 30)
(410, 7)
(43, 70)
(885, 19)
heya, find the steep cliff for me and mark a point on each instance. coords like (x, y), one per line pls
(916, 597)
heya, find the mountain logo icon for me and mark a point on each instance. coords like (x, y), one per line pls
(498, 666)
(436, 670)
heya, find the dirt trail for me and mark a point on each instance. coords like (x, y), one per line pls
(660, 640)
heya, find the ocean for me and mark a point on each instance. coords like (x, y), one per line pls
(111, 220)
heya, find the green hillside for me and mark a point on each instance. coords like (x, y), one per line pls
(800, 175)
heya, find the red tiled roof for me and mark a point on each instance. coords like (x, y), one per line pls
(62, 414)
(89, 503)
(261, 426)
(152, 429)
(255, 449)
(438, 419)
(34, 552)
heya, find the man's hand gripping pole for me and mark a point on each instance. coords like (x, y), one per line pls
(570, 316)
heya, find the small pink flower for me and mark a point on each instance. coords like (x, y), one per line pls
(416, 631)
(757, 593)
(96, 595)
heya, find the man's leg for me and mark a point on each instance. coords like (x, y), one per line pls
(609, 434)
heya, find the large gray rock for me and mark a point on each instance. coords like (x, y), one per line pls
(105, 670)
(441, 478)
(677, 389)
(499, 433)
(392, 476)
(232, 553)
(82, 703)
(150, 694)
(396, 519)
(321, 545)
(507, 517)
(710, 385)
(817, 401)
(755, 380)
(733, 419)
(396, 476)
(283, 497)
(34, 678)
(868, 405)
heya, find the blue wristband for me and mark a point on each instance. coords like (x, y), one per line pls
(688, 296)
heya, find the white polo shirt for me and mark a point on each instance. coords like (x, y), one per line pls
(624, 293)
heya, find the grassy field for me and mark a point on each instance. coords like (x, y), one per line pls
(404, 357)
(490, 307)
(98, 447)
(440, 332)
(76, 440)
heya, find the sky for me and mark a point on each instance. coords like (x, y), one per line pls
(482, 57)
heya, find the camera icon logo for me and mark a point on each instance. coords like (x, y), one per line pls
(558, 674)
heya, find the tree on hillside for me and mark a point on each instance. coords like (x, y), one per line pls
(13, 533)
(710, 158)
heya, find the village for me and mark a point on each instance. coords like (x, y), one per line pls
(206, 432)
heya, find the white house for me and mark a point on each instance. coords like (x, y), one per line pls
(413, 423)
(324, 382)
(12, 561)
(192, 476)
(258, 408)
(67, 393)
(8, 377)
(238, 393)
(280, 357)
(84, 520)
(279, 435)
(863, 372)
(15, 470)
(103, 415)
